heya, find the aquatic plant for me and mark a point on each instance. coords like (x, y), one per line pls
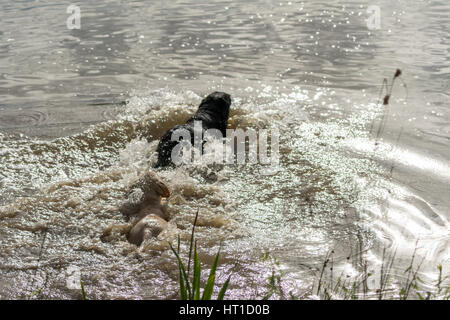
(83, 293)
(355, 289)
(274, 281)
(190, 288)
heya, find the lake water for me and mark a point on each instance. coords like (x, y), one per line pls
(81, 111)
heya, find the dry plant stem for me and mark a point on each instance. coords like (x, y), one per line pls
(327, 259)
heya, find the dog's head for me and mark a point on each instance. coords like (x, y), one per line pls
(151, 186)
(217, 102)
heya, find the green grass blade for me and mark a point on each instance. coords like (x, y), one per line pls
(207, 293)
(183, 291)
(191, 290)
(197, 273)
(182, 271)
(83, 293)
(224, 289)
(192, 242)
(35, 293)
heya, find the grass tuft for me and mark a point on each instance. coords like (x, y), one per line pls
(190, 286)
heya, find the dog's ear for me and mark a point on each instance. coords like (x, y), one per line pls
(150, 181)
(162, 189)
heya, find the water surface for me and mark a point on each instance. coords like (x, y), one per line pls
(81, 111)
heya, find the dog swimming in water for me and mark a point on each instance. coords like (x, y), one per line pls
(212, 113)
(144, 199)
(144, 196)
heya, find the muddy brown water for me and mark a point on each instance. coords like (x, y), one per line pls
(81, 111)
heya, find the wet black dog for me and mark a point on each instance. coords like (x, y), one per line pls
(213, 113)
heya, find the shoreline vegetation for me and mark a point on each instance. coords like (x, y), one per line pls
(190, 287)
(327, 287)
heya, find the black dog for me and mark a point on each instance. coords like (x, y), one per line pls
(213, 113)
